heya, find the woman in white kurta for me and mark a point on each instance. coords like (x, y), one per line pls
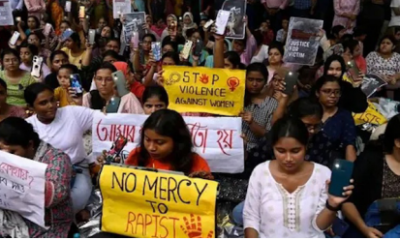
(288, 197)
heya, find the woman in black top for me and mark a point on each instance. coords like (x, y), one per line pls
(376, 175)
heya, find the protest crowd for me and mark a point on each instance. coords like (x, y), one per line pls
(199, 118)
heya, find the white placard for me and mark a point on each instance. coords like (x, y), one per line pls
(121, 7)
(216, 139)
(134, 23)
(22, 187)
(6, 17)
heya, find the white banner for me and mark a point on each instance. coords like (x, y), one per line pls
(6, 17)
(121, 7)
(216, 139)
(22, 187)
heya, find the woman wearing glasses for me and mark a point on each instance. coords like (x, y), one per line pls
(338, 132)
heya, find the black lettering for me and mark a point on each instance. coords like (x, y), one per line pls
(215, 78)
(171, 190)
(115, 179)
(186, 77)
(162, 189)
(222, 104)
(162, 205)
(179, 189)
(200, 192)
(195, 76)
(152, 206)
(151, 186)
(134, 183)
(4, 181)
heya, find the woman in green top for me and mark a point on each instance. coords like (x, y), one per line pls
(17, 80)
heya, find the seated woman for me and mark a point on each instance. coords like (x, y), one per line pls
(106, 94)
(288, 197)
(154, 98)
(338, 135)
(7, 110)
(377, 176)
(63, 128)
(18, 137)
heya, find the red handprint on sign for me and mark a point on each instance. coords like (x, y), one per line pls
(193, 230)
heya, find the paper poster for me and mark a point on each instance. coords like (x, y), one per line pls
(134, 23)
(22, 187)
(216, 139)
(302, 42)
(6, 17)
(371, 115)
(121, 7)
(236, 27)
(208, 90)
(144, 204)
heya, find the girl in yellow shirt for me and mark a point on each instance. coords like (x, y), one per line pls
(61, 94)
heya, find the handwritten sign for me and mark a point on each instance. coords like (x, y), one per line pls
(216, 91)
(120, 7)
(302, 42)
(371, 115)
(146, 204)
(22, 183)
(216, 139)
(134, 23)
(6, 17)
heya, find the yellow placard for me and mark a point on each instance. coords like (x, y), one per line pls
(208, 90)
(371, 115)
(145, 204)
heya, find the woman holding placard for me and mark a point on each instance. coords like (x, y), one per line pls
(18, 137)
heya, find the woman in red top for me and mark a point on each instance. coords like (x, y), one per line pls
(166, 144)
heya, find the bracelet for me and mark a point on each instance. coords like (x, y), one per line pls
(330, 208)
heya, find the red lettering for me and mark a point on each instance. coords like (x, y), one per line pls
(156, 228)
(112, 132)
(147, 223)
(173, 225)
(129, 223)
(140, 217)
(199, 132)
(166, 229)
(103, 136)
(225, 140)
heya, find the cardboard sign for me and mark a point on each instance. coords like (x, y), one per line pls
(145, 204)
(22, 187)
(215, 139)
(198, 89)
(6, 16)
(302, 41)
(120, 7)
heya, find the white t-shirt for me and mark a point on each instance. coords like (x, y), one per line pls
(66, 131)
(394, 20)
(261, 56)
(275, 213)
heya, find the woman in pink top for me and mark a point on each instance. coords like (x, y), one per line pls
(346, 12)
(106, 96)
(35, 7)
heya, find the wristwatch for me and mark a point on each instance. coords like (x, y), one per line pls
(333, 209)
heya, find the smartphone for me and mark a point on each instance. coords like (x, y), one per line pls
(187, 49)
(120, 83)
(208, 23)
(18, 19)
(342, 170)
(37, 66)
(156, 49)
(66, 34)
(92, 36)
(353, 69)
(116, 149)
(68, 6)
(75, 83)
(339, 227)
(198, 48)
(135, 40)
(14, 38)
(82, 12)
(113, 105)
(47, 29)
(290, 80)
(222, 21)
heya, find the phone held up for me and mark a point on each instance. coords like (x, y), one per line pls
(290, 80)
(75, 83)
(120, 83)
(37, 66)
(342, 171)
(116, 149)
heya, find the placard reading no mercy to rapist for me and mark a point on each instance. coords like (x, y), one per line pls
(199, 89)
(148, 204)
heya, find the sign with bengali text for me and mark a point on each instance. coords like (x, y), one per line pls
(146, 204)
(22, 187)
(216, 139)
(207, 90)
(6, 16)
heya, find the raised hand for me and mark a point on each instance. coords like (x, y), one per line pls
(194, 228)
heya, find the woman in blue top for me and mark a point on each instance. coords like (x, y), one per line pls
(338, 134)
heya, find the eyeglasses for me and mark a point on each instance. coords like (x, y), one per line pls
(330, 92)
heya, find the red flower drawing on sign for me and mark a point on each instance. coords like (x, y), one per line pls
(193, 228)
(204, 78)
